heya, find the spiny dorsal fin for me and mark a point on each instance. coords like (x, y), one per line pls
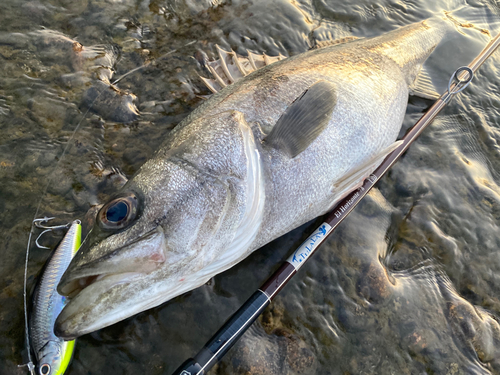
(304, 119)
(231, 67)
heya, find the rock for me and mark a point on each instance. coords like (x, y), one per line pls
(110, 102)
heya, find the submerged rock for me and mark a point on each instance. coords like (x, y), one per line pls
(110, 102)
(281, 353)
(77, 67)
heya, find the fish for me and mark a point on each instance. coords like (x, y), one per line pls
(264, 155)
(52, 353)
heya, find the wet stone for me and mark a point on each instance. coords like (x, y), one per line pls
(75, 80)
(16, 40)
(353, 321)
(148, 106)
(280, 353)
(477, 329)
(110, 102)
(7, 51)
(272, 316)
(61, 183)
(50, 112)
(374, 285)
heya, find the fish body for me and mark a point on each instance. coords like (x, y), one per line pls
(261, 157)
(53, 354)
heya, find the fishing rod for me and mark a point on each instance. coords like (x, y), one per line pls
(241, 320)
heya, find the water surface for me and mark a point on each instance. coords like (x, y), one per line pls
(408, 284)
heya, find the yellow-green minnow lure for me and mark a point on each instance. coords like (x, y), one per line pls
(52, 353)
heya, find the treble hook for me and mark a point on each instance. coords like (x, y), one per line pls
(46, 228)
(31, 367)
(45, 219)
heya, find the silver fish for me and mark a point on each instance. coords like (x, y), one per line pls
(264, 155)
(52, 353)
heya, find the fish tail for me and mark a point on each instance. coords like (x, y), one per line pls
(410, 46)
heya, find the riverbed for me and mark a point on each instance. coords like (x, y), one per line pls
(408, 284)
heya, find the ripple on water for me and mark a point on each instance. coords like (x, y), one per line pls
(410, 283)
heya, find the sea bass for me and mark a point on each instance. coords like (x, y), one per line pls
(52, 353)
(261, 157)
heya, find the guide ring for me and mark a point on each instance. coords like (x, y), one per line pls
(461, 84)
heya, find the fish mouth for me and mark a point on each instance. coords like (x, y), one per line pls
(89, 309)
(74, 287)
(141, 256)
(106, 283)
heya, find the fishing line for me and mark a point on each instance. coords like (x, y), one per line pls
(30, 365)
(150, 62)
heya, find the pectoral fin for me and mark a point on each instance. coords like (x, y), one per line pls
(352, 180)
(304, 120)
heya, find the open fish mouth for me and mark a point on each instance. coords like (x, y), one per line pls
(72, 288)
(107, 288)
(136, 258)
(89, 310)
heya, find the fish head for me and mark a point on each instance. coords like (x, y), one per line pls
(133, 260)
(54, 357)
(151, 242)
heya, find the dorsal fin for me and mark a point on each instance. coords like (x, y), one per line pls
(304, 119)
(230, 67)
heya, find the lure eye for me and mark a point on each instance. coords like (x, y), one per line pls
(118, 213)
(45, 369)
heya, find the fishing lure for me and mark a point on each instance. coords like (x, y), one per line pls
(52, 353)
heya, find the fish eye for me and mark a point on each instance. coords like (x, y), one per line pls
(45, 369)
(118, 213)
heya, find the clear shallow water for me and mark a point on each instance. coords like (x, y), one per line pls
(408, 284)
